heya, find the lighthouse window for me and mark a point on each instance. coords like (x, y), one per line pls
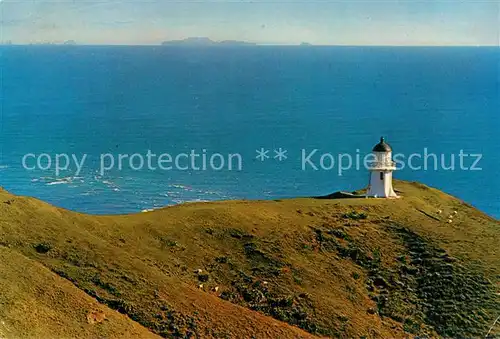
(381, 175)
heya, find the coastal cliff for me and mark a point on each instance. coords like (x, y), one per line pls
(425, 264)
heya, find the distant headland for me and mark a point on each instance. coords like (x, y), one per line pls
(203, 41)
(190, 41)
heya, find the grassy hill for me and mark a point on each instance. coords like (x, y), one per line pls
(296, 268)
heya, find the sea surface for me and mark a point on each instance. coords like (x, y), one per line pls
(97, 100)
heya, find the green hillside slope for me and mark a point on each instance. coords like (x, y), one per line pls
(423, 264)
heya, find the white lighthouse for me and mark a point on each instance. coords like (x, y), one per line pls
(381, 172)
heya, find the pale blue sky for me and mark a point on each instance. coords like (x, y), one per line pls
(408, 22)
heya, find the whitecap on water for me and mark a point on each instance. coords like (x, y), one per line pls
(56, 183)
(60, 181)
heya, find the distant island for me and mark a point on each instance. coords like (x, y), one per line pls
(203, 41)
(53, 43)
(305, 44)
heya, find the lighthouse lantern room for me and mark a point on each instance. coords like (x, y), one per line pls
(381, 172)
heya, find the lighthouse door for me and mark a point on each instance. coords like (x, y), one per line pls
(381, 175)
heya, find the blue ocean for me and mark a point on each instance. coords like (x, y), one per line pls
(95, 100)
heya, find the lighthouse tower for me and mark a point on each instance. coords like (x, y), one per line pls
(381, 172)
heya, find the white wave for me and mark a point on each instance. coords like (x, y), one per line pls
(57, 183)
(60, 181)
(184, 187)
(183, 201)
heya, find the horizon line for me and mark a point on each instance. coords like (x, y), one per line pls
(301, 45)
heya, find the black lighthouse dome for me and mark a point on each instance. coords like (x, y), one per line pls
(382, 146)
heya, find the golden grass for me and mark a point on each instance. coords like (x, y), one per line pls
(288, 269)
